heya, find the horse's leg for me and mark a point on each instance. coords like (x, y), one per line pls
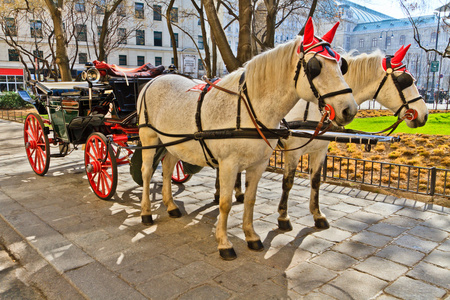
(227, 177)
(168, 164)
(291, 161)
(238, 189)
(316, 162)
(148, 137)
(217, 193)
(252, 177)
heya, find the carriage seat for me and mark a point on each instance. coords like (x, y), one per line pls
(144, 71)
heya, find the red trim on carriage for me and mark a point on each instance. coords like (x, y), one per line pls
(144, 71)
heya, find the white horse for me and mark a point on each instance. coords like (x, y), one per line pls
(365, 74)
(167, 113)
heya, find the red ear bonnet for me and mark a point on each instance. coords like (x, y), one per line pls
(308, 37)
(396, 60)
(309, 40)
(329, 36)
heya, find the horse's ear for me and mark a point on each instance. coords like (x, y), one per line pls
(329, 36)
(400, 54)
(309, 32)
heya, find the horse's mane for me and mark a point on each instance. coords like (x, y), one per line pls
(364, 66)
(274, 63)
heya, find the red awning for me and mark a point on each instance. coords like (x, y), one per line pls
(8, 71)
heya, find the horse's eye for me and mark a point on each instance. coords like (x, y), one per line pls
(313, 68)
(405, 80)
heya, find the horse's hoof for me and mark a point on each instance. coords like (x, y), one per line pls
(147, 220)
(175, 213)
(321, 224)
(227, 254)
(240, 198)
(216, 199)
(285, 225)
(255, 245)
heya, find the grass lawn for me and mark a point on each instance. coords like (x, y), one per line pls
(437, 124)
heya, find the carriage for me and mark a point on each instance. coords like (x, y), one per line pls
(98, 113)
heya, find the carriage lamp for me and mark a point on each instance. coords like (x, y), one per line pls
(91, 75)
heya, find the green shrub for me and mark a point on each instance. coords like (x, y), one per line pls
(12, 100)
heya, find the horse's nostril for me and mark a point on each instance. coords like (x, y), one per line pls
(347, 114)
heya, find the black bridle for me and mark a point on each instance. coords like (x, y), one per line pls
(401, 82)
(312, 69)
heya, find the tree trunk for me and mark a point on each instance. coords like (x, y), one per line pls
(62, 59)
(231, 62)
(271, 18)
(311, 13)
(244, 51)
(172, 35)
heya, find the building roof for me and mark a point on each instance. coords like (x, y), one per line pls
(394, 23)
(362, 14)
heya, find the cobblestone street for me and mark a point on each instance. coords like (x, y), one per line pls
(377, 246)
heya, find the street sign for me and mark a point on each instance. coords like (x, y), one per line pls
(434, 66)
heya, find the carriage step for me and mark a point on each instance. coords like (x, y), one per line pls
(57, 155)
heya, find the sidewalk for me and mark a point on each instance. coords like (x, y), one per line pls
(378, 246)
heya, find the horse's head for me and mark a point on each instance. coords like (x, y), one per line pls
(319, 67)
(400, 90)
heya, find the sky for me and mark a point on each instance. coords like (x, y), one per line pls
(392, 7)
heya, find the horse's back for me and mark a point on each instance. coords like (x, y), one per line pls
(169, 102)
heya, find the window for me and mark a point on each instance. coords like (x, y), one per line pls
(174, 15)
(122, 60)
(139, 10)
(82, 58)
(176, 40)
(361, 43)
(172, 61)
(121, 12)
(38, 54)
(122, 34)
(140, 60)
(13, 55)
(200, 65)
(11, 83)
(80, 6)
(11, 26)
(100, 6)
(158, 60)
(402, 40)
(388, 41)
(80, 32)
(374, 42)
(140, 37)
(157, 12)
(200, 42)
(433, 37)
(99, 31)
(36, 29)
(157, 38)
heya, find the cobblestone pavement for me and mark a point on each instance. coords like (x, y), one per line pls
(378, 246)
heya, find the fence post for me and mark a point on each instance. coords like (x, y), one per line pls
(324, 168)
(432, 180)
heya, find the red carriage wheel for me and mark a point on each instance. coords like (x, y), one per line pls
(178, 175)
(37, 146)
(101, 166)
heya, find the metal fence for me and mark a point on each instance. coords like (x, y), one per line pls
(419, 180)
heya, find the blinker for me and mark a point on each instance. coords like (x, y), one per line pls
(405, 80)
(344, 66)
(313, 67)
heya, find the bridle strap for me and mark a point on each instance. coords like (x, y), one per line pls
(390, 72)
